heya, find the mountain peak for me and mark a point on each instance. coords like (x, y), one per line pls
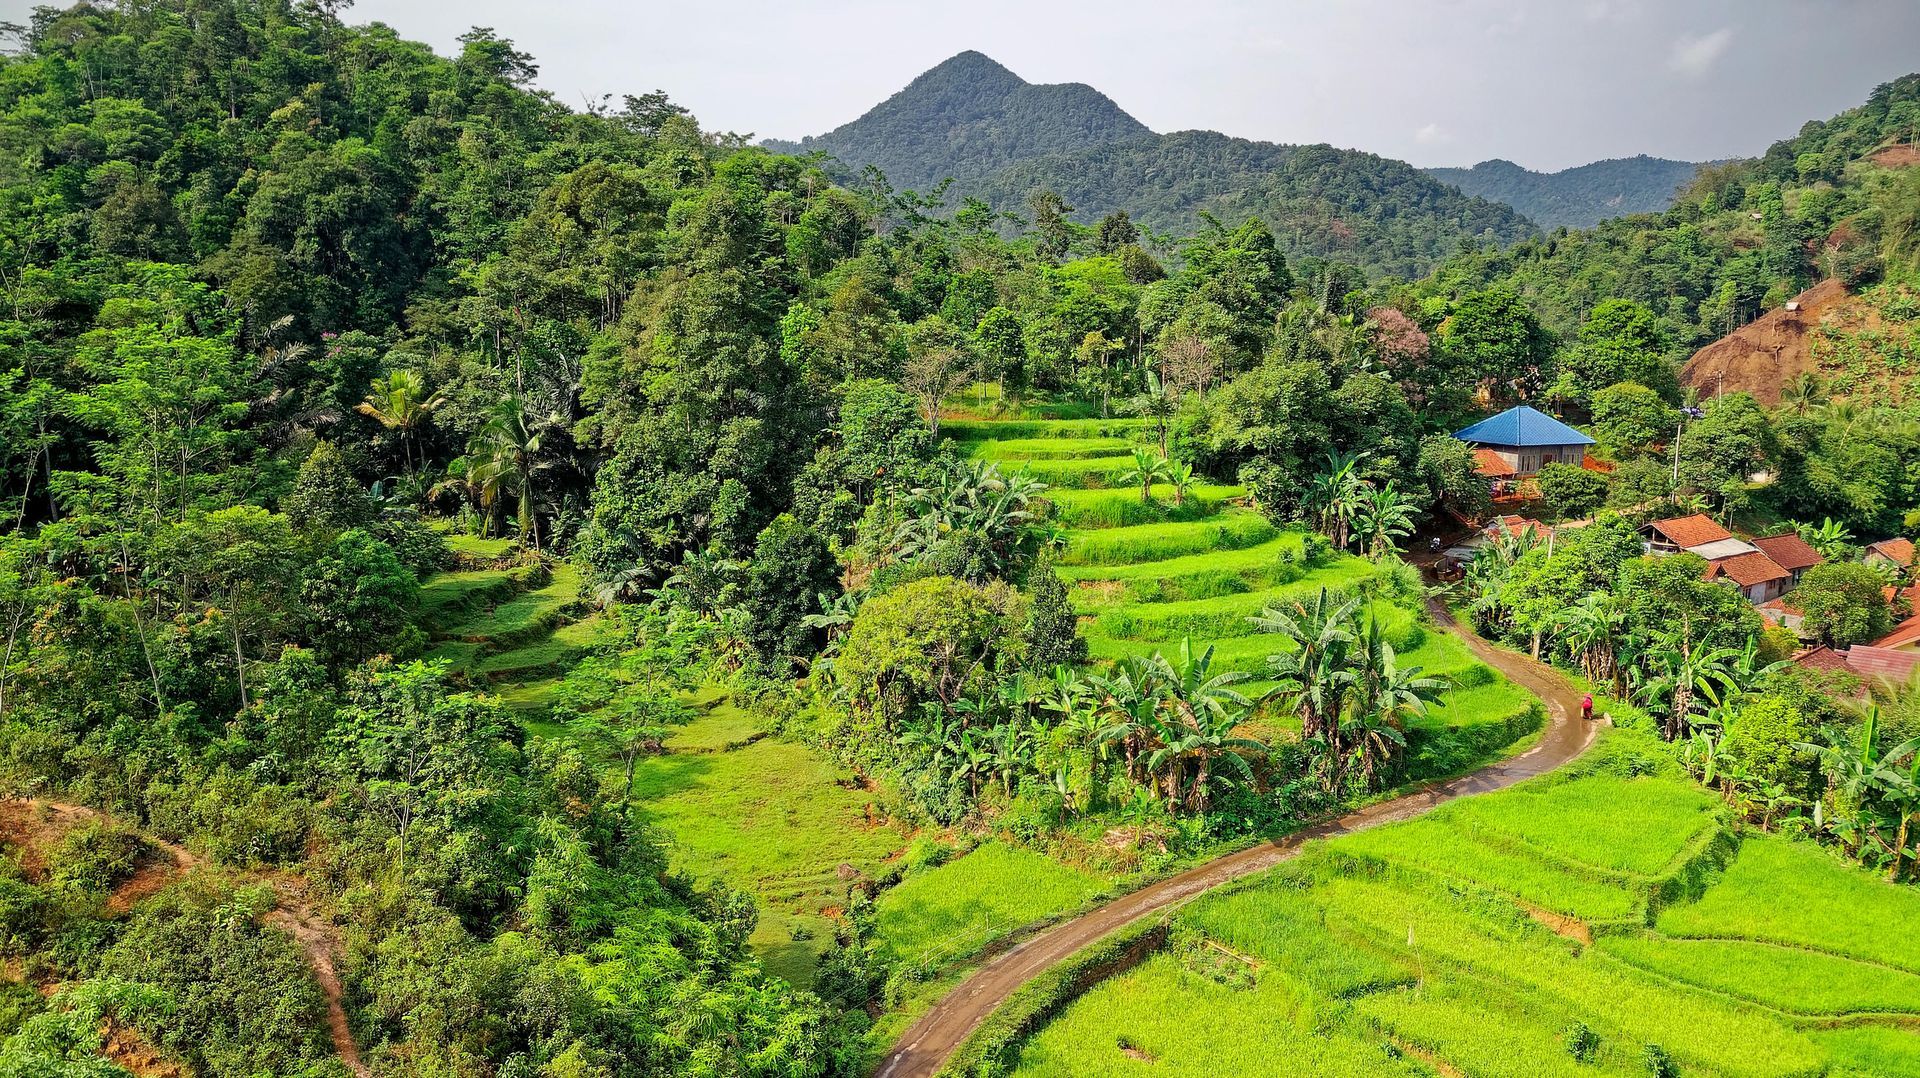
(968, 116)
(970, 64)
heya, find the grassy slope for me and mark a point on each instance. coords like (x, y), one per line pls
(1148, 574)
(1420, 938)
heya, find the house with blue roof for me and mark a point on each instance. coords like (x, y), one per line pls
(1515, 443)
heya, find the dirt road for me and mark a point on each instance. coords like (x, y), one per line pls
(926, 1046)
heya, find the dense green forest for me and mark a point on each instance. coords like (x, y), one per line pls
(406, 480)
(1578, 197)
(1006, 142)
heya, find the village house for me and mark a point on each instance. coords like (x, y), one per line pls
(1790, 552)
(1896, 552)
(1517, 442)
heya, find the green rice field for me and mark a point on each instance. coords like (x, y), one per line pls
(1482, 938)
(1147, 574)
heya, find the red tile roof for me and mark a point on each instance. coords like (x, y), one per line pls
(1903, 634)
(1822, 658)
(1789, 551)
(1746, 570)
(1882, 662)
(1514, 525)
(1491, 465)
(1692, 531)
(1898, 551)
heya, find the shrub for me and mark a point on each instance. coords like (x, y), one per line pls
(1582, 1042)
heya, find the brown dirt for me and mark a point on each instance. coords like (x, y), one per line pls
(320, 941)
(924, 1048)
(32, 825)
(1905, 155)
(1764, 355)
(1571, 927)
(127, 1049)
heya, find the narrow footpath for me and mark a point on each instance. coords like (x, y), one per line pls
(926, 1046)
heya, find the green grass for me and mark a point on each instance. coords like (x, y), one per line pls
(949, 912)
(1781, 891)
(1119, 507)
(1163, 1020)
(1791, 979)
(1435, 846)
(1872, 1051)
(1263, 555)
(975, 430)
(1425, 935)
(1083, 473)
(771, 818)
(1587, 821)
(1156, 542)
(1019, 449)
(475, 547)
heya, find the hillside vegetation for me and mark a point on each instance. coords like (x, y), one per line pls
(1577, 197)
(1524, 933)
(1005, 141)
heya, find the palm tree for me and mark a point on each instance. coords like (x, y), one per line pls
(1587, 631)
(1313, 677)
(400, 401)
(1803, 393)
(506, 446)
(1147, 470)
(1382, 516)
(1387, 696)
(1829, 537)
(1155, 403)
(1679, 675)
(1335, 496)
(1180, 474)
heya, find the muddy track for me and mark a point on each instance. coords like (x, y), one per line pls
(292, 913)
(925, 1047)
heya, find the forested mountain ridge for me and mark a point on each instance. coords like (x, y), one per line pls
(1375, 212)
(1005, 141)
(1577, 197)
(1742, 238)
(967, 117)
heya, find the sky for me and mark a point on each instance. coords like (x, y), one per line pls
(1546, 83)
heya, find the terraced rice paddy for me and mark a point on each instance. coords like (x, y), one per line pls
(1147, 574)
(1478, 939)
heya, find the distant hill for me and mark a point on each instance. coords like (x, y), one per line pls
(1001, 139)
(1576, 197)
(968, 117)
(1375, 212)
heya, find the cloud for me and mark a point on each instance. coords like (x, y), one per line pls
(1692, 55)
(1433, 135)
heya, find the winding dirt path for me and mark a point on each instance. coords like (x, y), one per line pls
(925, 1046)
(293, 913)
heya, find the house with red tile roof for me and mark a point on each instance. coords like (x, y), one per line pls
(1790, 552)
(1757, 576)
(1682, 533)
(1896, 551)
(1862, 661)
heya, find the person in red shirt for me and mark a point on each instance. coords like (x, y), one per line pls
(1586, 707)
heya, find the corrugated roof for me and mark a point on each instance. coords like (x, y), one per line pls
(1522, 426)
(1790, 551)
(1723, 548)
(1822, 658)
(1689, 532)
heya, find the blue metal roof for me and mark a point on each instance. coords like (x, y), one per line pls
(1522, 426)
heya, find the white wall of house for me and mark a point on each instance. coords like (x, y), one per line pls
(1527, 460)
